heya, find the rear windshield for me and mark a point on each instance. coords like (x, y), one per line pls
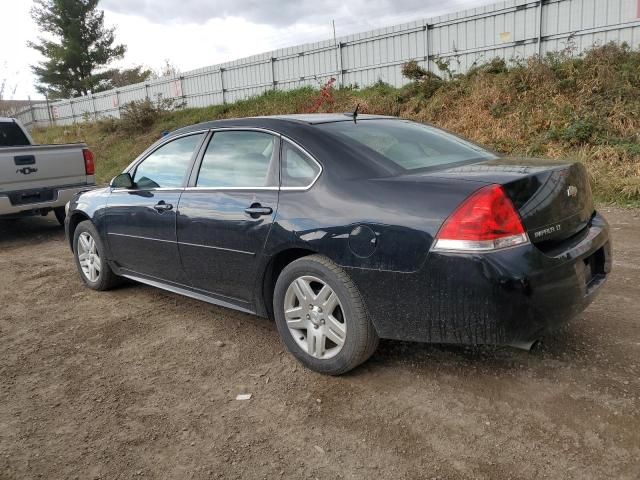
(409, 145)
(11, 135)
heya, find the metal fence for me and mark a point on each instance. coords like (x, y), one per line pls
(512, 29)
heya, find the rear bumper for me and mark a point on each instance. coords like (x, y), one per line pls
(508, 297)
(59, 198)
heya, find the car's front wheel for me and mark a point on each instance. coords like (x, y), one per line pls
(60, 214)
(88, 251)
(321, 317)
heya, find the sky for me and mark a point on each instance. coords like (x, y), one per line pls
(196, 33)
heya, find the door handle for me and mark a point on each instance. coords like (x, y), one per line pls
(24, 160)
(161, 206)
(256, 210)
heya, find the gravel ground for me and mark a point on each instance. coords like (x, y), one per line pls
(139, 383)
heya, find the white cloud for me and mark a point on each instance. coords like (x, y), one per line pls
(16, 28)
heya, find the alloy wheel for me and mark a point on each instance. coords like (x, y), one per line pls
(315, 317)
(88, 257)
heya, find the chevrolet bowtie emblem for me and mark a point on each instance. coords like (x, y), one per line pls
(26, 170)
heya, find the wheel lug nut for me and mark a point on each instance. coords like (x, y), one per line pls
(308, 317)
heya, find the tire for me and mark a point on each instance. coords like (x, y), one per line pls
(344, 318)
(60, 215)
(105, 278)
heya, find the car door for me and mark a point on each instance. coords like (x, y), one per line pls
(227, 211)
(141, 221)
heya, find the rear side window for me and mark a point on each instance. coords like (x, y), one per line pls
(298, 170)
(238, 159)
(11, 135)
(408, 145)
(167, 166)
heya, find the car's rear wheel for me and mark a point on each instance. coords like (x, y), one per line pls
(321, 317)
(88, 251)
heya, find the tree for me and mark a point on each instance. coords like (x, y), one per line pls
(77, 46)
(121, 78)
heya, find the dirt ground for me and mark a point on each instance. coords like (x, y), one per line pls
(139, 383)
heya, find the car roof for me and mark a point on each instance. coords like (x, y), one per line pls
(314, 118)
(279, 123)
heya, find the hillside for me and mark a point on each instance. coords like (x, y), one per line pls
(585, 108)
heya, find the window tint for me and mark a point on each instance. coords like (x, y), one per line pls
(298, 170)
(238, 159)
(11, 135)
(167, 167)
(408, 145)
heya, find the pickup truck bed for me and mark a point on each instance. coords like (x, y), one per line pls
(36, 179)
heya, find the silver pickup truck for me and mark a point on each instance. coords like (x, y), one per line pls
(38, 179)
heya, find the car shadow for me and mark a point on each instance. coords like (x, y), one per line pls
(29, 230)
(565, 345)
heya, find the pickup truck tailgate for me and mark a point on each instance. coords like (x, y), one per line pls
(38, 166)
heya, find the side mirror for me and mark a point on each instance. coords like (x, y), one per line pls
(123, 180)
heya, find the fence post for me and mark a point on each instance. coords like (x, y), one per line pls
(146, 91)
(427, 53)
(46, 99)
(73, 114)
(273, 73)
(118, 103)
(33, 117)
(183, 95)
(95, 111)
(540, 27)
(222, 85)
(340, 65)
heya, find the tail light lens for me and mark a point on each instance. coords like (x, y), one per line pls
(89, 165)
(486, 221)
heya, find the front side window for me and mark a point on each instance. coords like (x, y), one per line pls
(298, 170)
(168, 166)
(238, 159)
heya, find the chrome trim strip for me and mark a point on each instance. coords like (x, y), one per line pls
(159, 189)
(241, 128)
(148, 152)
(313, 182)
(140, 237)
(216, 248)
(231, 188)
(154, 147)
(181, 243)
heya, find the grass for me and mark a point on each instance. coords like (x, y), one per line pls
(585, 108)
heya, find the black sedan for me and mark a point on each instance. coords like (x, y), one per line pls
(347, 229)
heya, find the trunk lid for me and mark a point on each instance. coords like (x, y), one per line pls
(40, 166)
(553, 198)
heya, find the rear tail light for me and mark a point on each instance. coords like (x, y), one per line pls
(486, 221)
(89, 166)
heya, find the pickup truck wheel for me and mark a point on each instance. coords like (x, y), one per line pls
(321, 317)
(88, 251)
(60, 215)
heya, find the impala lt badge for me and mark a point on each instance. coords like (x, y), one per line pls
(26, 170)
(547, 231)
(572, 191)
